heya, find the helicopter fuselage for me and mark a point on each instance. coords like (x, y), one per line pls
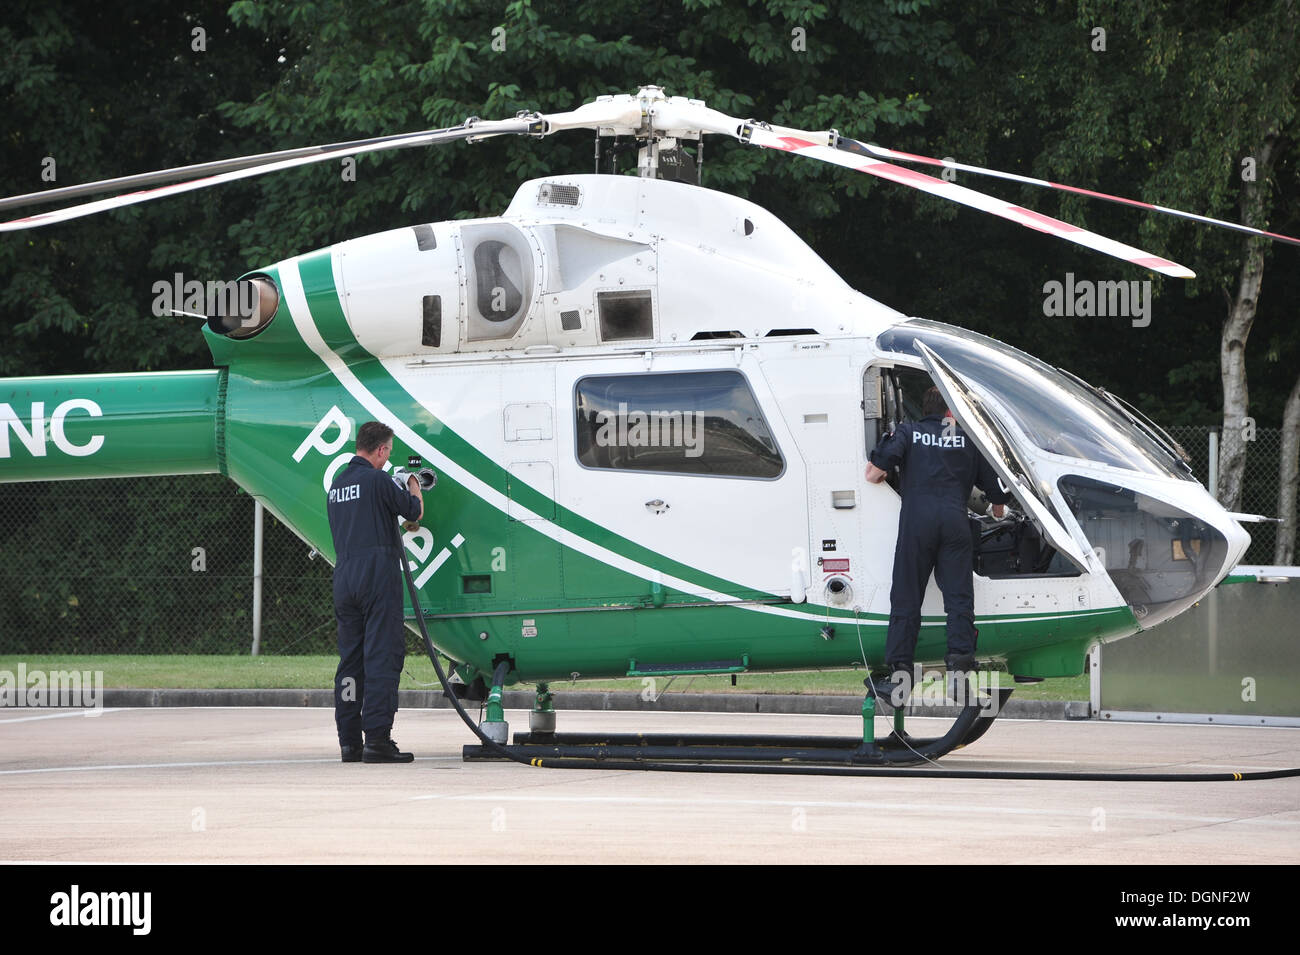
(650, 407)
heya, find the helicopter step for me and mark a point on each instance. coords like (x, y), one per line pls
(897, 749)
(701, 668)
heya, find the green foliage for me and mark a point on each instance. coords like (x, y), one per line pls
(105, 92)
(430, 64)
(1164, 114)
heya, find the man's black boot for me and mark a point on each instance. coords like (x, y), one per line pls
(384, 751)
(351, 752)
(895, 689)
(957, 679)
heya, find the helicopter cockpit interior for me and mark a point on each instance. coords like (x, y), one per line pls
(1011, 547)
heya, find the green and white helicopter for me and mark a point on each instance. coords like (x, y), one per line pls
(650, 405)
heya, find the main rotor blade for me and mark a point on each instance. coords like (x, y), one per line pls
(622, 113)
(471, 129)
(191, 171)
(647, 113)
(969, 197)
(821, 145)
(880, 152)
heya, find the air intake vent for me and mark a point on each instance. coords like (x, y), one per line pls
(706, 336)
(625, 315)
(431, 334)
(555, 194)
(424, 237)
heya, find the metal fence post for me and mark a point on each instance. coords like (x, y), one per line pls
(1213, 485)
(1094, 679)
(258, 510)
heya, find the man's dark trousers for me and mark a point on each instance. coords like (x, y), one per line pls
(933, 537)
(372, 644)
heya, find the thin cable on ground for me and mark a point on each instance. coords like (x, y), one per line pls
(871, 688)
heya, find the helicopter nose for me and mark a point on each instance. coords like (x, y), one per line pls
(1164, 548)
(1238, 541)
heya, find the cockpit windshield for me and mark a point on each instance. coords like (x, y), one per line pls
(1056, 412)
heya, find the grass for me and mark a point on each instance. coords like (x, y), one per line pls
(317, 672)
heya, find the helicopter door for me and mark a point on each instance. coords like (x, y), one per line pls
(528, 419)
(994, 443)
(687, 468)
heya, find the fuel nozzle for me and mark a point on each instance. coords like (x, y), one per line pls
(426, 477)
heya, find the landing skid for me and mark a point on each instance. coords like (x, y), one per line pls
(893, 750)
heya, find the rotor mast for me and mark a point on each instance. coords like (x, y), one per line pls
(641, 117)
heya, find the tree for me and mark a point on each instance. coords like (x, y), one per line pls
(355, 69)
(89, 93)
(1237, 73)
(1185, 105)
(1288, 479)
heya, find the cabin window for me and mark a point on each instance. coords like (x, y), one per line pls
(424, 238)
(706, 423)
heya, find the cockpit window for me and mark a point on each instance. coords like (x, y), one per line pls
(1160, 557)
(1057, 414)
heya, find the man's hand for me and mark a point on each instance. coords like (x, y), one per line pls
(875, 475)
(413, 485)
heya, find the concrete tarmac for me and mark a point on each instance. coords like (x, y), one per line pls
(254, 785)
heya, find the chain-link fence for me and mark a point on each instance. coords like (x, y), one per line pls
(158, 565)
(1260, 482)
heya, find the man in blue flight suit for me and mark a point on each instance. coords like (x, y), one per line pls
(364, 504)
(940, 465)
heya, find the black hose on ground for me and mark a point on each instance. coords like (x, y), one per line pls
(787, 770)
(442, 676)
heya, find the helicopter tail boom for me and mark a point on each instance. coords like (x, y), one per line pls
(102, 426)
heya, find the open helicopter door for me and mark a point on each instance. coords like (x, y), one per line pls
(996, 445)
